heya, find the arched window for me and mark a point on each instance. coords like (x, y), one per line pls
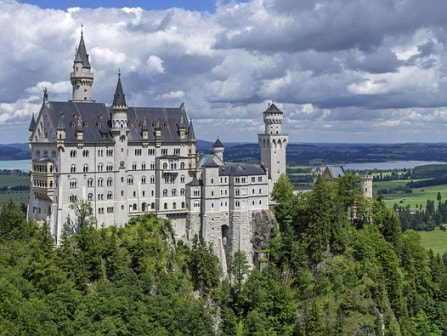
(143, 206)
(165, 206)
(182, 192)
(100, 182)
(152, 205)
(73, 169)
(109, 195)
(73, 153)
(109, 181)
(174, 205)
(100, 167)
(182, 179)
(152, 179)
(165, 166)
(183, 205)
(73, 183)
(135, 206)
(85, 168)
(85, 153)
(90, 197)
(143, 179)
(182, 165)
(130, 180)
(165, 192)
(174, 192)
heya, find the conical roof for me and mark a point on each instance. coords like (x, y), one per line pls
(218, 144)
(191, 135)
(32, 124)
(119, 98)
(81, 54)
(273, 109)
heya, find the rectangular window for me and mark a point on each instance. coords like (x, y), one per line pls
(138, 152)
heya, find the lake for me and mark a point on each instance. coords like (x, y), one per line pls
(24, 165)
(389, 165)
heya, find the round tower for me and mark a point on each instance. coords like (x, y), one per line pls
(273, 143)
(82, 78)
(366, 184)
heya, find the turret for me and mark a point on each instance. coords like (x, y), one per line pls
(366, 184)
(218, 149)
(273, 143)
(119, 110)
(32, 127)
(82, 78)
(191, 135)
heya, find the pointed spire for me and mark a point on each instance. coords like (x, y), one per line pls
(119, 99)
(191, 135)
(61, 124)
(81, 52)
(32, 124)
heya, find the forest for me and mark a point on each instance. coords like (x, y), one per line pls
(324, 275)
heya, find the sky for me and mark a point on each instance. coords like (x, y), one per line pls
(341, 70)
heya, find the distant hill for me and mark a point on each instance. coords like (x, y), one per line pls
(15, 151)
(323, 153)
(299, 154)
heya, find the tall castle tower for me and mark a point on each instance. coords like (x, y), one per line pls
(273, 143)
(81, 78)
(366, 184)
(120, 130)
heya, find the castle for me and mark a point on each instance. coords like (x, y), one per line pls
(127, 161)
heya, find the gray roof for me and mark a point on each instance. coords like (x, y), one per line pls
(218, 144)
(195, 182)
(240, 170)
(119, 99)
(191, 135)
(32, 124)
(96, 116)
(172, 157)
(81, 54)
(273, 109)
(209, 160)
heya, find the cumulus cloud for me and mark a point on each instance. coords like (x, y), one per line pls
(342, 70)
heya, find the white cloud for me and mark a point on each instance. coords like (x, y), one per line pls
(154, 65)
(384, 80)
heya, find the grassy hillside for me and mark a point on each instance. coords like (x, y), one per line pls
(418, 197)
(435, 240)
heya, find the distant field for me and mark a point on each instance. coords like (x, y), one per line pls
(12, 181)
(15, 196)
(419, 196)
(435, 240)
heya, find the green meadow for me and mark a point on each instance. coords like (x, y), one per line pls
(435, 240)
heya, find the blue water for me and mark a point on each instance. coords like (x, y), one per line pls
(389, 165)
(24, 165)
